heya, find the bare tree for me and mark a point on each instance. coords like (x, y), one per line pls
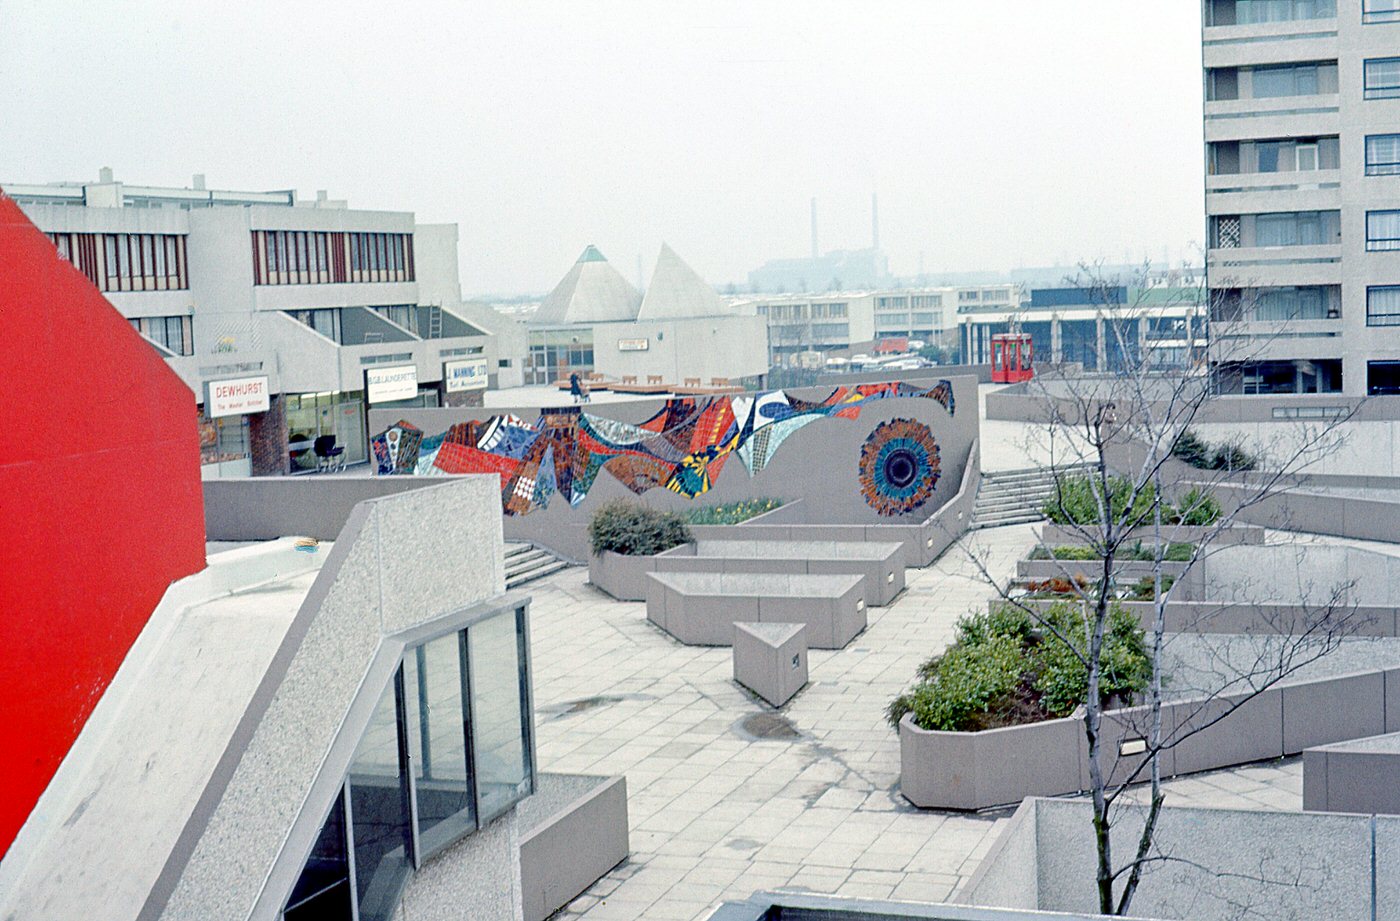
(1108, 440)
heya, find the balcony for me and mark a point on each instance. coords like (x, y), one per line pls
(1268, 266)
(1306, 190)
(1269, 42)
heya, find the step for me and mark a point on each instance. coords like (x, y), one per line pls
(514, 549)
(1003, 522)
(1007, 503)
(556, 566)
(530, 564)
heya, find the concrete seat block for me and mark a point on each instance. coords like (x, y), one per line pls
(771, 659)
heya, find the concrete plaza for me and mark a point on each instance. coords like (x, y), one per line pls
(725, 801)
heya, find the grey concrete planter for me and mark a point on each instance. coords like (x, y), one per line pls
(574, 830)
(701, 608)
(623, 577)
(977, 770)
(1357, 776)
(881, 564)
(1056, 535)
(1124, 570)
(1240, 617)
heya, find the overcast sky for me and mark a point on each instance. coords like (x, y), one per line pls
(1015, 133)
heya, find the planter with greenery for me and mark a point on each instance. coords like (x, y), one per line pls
(1192, 449)
(731, 512)
(1076, 503)
(624, 537)
(989, 720)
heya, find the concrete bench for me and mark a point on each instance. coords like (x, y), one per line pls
(1362, 775)
(771, 659)
(701, 608)
(881, 564)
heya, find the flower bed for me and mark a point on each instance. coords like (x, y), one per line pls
(731, 513)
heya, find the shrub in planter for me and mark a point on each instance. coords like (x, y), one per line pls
(1076, 503)
(1005, 668)
(633, 529)
(1201, 454)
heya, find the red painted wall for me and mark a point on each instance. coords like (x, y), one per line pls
(99, 498)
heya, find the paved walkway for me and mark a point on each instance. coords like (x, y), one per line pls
(717, 813)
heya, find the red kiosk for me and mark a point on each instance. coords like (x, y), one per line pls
(1011, 358)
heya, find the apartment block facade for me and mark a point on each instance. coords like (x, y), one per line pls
(1302, 135)
(855, 321)
(286, 318)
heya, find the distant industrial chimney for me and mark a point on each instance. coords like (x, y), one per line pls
(874, 221)
(814, 229)
(199, 181)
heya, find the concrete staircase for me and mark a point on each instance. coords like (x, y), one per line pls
(1014, 496)
(526, 563)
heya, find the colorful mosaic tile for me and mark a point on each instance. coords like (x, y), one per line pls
(899, 466)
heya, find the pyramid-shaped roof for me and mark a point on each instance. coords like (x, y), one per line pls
(592, 292)
(677, 291)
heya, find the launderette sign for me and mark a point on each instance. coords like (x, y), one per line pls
(237, 397)
(469, 374)
(385, 384)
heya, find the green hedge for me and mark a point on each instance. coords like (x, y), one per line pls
(1004, 669)
(1077, 503)
(633, 529)
(1202, 455)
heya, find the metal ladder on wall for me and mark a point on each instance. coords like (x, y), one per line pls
(434, 321)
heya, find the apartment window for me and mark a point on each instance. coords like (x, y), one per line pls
(325, 321)
(967, 296)
(1225, 231)
(1382, 230)
(1382, 78)
(1222, 84)
(1382, 378)
(831, 331)
(127, 261)
(1293, 80)
(1383, 153)
(1312, 302)
(1295, 228)
(838, 311)
(819, 311)
(1244, 12)
(1380, 11)
(175, 334)
(299, 257)
(1383, 305)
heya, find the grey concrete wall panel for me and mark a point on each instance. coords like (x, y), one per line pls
(1124, 570)
(329, 671)
(1392, 700)
(265, 508)
(1289, 866)
(1006, 876)
(1319, 712)
(770, 659)
(937, 770)
(1118, 727)
(1043, 761)
(622, 577)
(1362, 776)
(817, 464)
(573, 835)
(1251, 731)
(476, 877)
(1387, 862)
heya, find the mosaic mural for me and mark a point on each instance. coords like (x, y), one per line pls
(898, 466)
(682, 448)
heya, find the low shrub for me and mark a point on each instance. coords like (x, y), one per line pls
(1142, 589)
(1201, 454)
(1005, 668)
(1076, 503)
(731, 513)
(1175, 552)
(633, 529)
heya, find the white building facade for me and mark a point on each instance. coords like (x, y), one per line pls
(1302, 131)
(287, 319)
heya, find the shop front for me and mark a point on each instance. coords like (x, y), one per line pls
(313, 416)
(225, 422)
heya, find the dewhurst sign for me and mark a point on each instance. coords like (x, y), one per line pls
(469, 374)
(237, 397)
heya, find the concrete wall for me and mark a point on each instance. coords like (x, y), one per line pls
(1278, 865)
(818, 464)
(575, 830)
(427, 557)
(1293, 573)
(1357, 776)
(732, 347)
(264, 508)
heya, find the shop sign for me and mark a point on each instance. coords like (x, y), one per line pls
(633, 345)
(469, 374)
(237, 397)
(384, 385)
